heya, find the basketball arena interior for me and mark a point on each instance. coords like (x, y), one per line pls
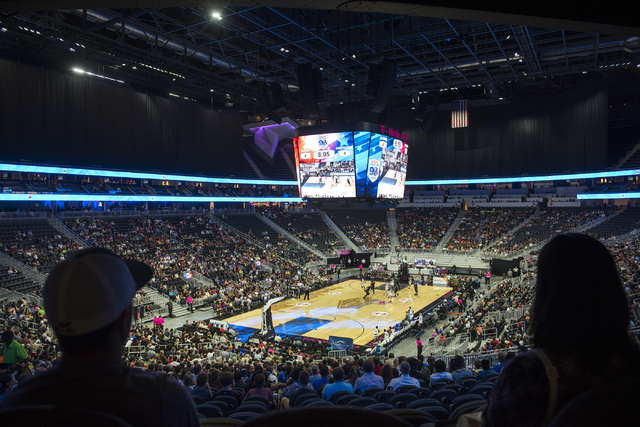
(358, 188)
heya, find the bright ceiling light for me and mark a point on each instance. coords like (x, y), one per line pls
(216, 15)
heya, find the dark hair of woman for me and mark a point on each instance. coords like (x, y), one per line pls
(579, 299)
(387, 374)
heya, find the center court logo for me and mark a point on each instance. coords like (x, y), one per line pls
(380, 313)
(303, 304)
(335, 293)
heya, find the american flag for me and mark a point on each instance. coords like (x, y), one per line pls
(459, 115)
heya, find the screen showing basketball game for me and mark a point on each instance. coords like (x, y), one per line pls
(358, 163)
(326, 165)
(386, 168)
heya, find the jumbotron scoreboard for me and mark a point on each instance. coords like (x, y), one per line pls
(370, 161)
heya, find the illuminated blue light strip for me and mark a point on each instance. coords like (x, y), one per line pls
(527, 178)
(601, 196)
(4, 167)
(113, 198)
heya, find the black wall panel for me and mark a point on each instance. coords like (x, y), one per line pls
(55, 119)
(545, 134)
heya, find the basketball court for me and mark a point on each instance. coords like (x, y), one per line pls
(340, 310)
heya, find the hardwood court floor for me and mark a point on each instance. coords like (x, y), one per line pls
(339, 310)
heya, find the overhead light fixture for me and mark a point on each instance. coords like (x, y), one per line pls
(509, 36)
(216, 15)
(413, 108)
(321, 68)
(134, 67)
(79, 70)
(584, 72)
(3, 29)
(354, 57)
(516, 54)
(501, 98)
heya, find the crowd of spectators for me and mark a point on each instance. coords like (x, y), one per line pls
(366, 229)
(546, 225)
(423, 227)
(482, 225)
(35, 243)
(308, 227)
(196, 244)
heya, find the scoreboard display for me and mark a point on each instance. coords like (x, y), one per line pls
(387, 167)
(326, 165)
(359, 163)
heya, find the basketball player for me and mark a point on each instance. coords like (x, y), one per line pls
(372, 287)
(386, 288)
(390, 296)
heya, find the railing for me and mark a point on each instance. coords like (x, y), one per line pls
(16, 215)
(178, 212)
(232, 211)
(27, 270)
(10, 296)
(75, 214)
(73, 234)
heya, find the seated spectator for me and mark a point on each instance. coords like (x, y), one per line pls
(461, 369)
(305, 387)
(441, 370)
(324, 378)
(577, 269)
(404, 378)
(501, 358)
(260, 389)
(87, 299)
(369, 379)
(202, 389)
(486, 368)
(338, 385)
(226, 378)
(416, 370)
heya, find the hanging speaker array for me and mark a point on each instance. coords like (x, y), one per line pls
(429, 111)
(310, 84)
(382, 79)
(266, 103)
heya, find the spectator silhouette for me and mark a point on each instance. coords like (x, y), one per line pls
(577, 279)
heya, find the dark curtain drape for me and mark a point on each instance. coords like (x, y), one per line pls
(51, 118)
(545, 134)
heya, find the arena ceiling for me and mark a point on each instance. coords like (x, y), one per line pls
(216, 53)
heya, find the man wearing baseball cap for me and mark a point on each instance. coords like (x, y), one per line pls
(88, 301)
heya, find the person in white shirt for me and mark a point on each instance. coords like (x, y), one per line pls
(278, 338)
(376, 332)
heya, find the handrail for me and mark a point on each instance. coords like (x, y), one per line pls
(68, 230)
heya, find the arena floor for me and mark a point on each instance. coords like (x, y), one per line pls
(339, 310)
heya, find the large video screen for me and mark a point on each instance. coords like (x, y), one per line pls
(326, 165)
(387, 167)
(357, 163)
